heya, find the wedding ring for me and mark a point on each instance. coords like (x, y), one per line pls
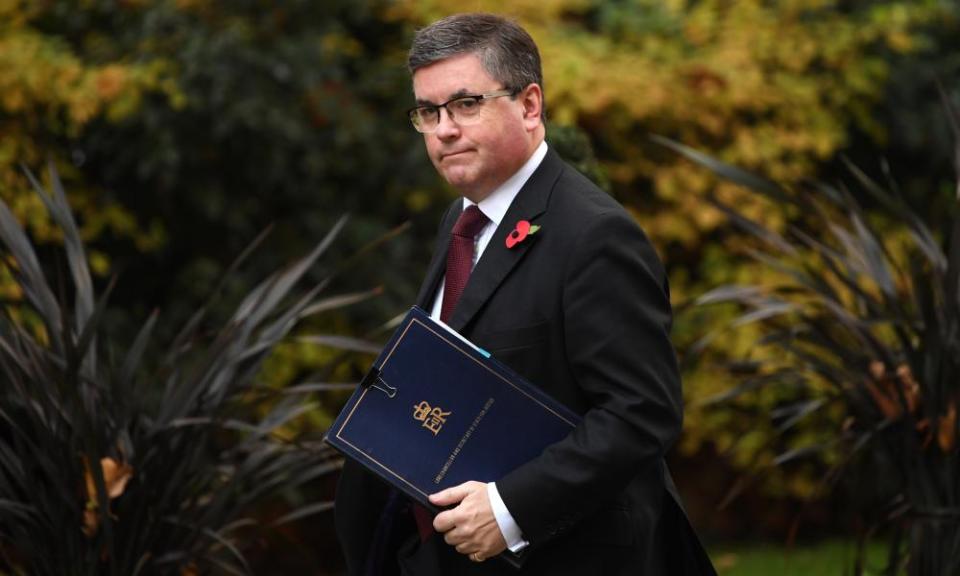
(476, 557)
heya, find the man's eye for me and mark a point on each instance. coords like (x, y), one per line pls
(467, 104)
(426, 112)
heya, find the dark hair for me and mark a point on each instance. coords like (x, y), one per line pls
(507, 53)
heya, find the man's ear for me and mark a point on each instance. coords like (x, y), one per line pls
(531, 98)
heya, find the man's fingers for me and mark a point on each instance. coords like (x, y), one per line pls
(460, 497)
(454, 538)
(450, 496)
(444, 522)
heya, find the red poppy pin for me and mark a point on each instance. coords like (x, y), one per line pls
(520, 233)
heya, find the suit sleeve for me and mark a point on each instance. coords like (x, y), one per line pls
(616, 314)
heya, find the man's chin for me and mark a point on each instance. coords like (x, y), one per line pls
(459, 179)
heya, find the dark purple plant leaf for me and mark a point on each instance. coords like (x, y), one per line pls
(30, 275)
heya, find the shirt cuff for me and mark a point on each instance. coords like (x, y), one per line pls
(508, 526)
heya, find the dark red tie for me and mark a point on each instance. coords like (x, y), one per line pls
(459, 265)
(460, 257)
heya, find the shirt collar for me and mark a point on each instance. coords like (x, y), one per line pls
(495, 205)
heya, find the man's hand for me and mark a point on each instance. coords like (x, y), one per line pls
(471, 526)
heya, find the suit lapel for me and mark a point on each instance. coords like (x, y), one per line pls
(437, 267)
(497, 260)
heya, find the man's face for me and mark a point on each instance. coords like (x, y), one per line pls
(475, 159)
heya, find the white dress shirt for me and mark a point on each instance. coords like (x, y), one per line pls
(495, 207)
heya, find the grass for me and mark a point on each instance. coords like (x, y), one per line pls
(829, 558)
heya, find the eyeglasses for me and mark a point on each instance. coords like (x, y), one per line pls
(464, 110)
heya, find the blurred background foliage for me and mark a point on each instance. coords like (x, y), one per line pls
(183, 128)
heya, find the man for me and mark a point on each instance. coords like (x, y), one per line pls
(577, 302)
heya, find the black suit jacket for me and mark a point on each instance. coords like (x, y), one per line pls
(582, 309)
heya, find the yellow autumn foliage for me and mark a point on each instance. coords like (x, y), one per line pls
(47, 92)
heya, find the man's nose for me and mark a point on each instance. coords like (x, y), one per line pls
(446, 126)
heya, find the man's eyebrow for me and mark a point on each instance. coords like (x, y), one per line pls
(459, 93)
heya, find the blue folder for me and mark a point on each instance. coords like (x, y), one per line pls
(436, 411)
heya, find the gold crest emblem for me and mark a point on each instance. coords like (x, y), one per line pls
(432, 418)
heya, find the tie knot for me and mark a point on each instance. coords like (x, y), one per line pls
(470, 222)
